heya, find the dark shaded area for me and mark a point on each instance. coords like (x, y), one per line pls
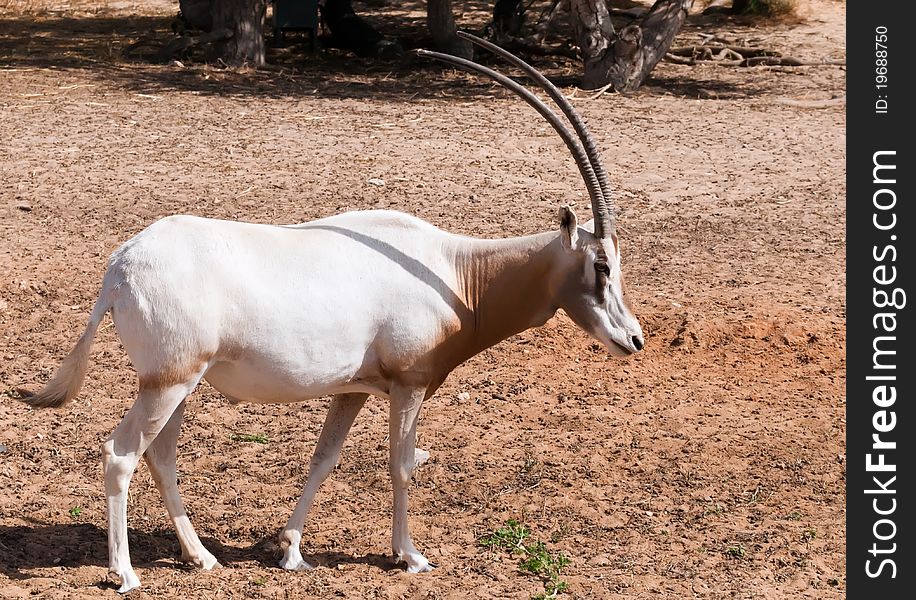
(50, 545)
(706, 89)
(44, 545)
(98, 44)
(349, 31)
(508, 18)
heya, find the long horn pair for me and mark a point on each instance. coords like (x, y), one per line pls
(583, 148)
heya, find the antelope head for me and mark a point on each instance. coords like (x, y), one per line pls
(589, 287)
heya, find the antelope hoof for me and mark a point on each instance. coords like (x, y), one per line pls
(420, 457)
(296, 566)
(293, 561)
(416, 562)
(128, 580)
(204, 562)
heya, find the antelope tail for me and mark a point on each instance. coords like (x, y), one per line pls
(68, 380)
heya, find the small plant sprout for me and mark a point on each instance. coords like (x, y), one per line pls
(510, 537)
(536, 558)
(547, 566)
(75, 512)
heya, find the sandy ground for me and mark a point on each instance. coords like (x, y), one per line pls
(711, 465)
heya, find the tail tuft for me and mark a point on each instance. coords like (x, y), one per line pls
(41, 399)
(67, 381)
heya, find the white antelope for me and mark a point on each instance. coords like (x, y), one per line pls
(360, 303)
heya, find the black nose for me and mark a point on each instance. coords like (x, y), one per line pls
(637, 343)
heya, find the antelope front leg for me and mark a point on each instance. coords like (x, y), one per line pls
(341, 414)
(402, 424)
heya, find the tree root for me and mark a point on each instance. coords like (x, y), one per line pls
(166, 52)
(707, 51)
(183, 43)
(730, 55)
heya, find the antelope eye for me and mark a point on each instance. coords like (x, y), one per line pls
(603, 268)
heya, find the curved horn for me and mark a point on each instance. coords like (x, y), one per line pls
(604, 216)
(574, 145)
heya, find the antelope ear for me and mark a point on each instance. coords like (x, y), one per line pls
(569, 227)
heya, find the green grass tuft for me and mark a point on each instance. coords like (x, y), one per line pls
(510, 537)
(536, 558)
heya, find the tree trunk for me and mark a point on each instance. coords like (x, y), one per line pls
(442, 27)
(242, 23)
(624, 59)
(196, 14)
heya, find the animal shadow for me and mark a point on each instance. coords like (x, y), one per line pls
(24, 548)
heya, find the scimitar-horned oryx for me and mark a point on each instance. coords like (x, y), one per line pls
(360, 303)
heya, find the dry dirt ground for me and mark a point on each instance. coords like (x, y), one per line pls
(710, 465)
